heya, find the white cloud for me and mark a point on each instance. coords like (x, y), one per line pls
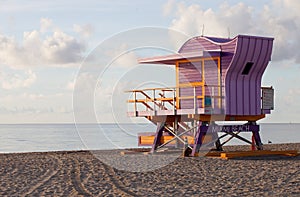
(122, 57)
(37, 48)
(168, 7)
(14, 81)
(84, 82)
(279, 19)
(61, 48)
(45, 24)
(292, 96)
(84, 30)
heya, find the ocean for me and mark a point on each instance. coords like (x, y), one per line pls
(60, 137)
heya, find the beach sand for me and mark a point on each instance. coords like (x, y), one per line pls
(80, 173)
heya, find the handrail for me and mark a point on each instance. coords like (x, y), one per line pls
(168, 98)
(157, 99)
(149, 89)
(170, 88)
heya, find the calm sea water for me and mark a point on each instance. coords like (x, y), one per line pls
(57, 137)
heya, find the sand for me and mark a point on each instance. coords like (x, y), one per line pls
(80, 173)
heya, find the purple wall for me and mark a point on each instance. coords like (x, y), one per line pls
(227, 47)
(243, 92)
(211, 80)
(188, 73)
(192, 72)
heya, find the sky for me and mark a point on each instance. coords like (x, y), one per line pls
(45, 45)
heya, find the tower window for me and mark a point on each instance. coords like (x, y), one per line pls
(247, 68)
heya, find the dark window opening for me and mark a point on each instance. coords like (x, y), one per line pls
(247, 68)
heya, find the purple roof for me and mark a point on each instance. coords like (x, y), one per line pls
(171, 59)
(219, 40)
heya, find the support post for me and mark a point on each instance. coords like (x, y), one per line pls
(135, 107)
(194, 122)
(257, 140)
(253, 146)
(154, 103)
(202, 129)
(256, 136)
(213, 98)
(176, 131)
(159, 132)
(174, 102)
(217, 142)
(195, 101)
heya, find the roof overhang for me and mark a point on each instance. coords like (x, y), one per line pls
(171, 59)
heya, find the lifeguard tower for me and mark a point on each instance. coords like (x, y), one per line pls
(217, 79)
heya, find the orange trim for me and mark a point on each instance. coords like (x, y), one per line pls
(191, 84)
(204, 117)
(219, 82)
(198, 59)
(149, 100)
(193, 60)
(198, 83)
(190, 97)
(177, 85)
(203, 79)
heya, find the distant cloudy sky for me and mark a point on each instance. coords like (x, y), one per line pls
(43, 43)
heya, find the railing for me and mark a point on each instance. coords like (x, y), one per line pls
(154, 99)
(159, 99)
(168, 100)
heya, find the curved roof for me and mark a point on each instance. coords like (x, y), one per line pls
(203, 43)
(171, 59)
(202, 46)
(219, 40)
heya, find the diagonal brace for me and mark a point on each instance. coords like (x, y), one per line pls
(175, 137)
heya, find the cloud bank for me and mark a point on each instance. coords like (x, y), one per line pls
(48, 46)
(10, 81)
(279, 19)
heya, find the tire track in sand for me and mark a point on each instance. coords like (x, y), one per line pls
(45, 178)
(76, 180)
(116, 183)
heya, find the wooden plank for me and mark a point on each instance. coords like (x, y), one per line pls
(146, 140)
(151, 89)
(237, 154)
(229, 155)
(151, 100)
(140, 100)
(216, 117)
(191, 84)
(190, 97)
(168, 118)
